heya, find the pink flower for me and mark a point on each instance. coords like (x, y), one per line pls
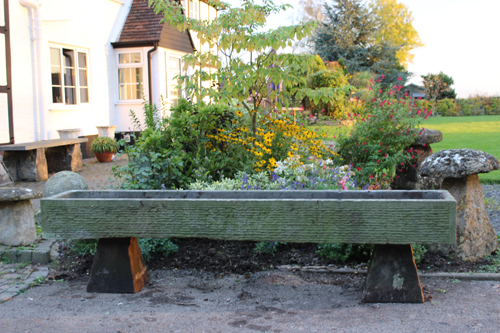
(378, 161)
(324, 167)
(380, 143)
(358, 168)
(371, 176)
(380, 91)
(311, 116)
(370, 88)
(380, 151)
(323, 110)
(385, 155)
(399, 78)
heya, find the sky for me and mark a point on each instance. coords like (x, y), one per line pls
(461, 39)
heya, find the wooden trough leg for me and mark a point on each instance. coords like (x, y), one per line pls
(118, 267)
(392, 276)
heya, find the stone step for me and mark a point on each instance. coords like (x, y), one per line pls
(39, 254)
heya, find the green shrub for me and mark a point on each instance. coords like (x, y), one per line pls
(345, 252)
(149, 246)
(267, 247)
(174, 151)
(82, 247)
(377, 145)
(332, 77)
(447, 107)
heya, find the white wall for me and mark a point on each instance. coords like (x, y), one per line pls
(90, 24)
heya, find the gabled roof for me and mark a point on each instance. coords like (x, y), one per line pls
(143, 27)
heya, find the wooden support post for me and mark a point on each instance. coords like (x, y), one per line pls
(392, 276)
(118, 267)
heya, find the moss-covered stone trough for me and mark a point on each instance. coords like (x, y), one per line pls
(365, 217)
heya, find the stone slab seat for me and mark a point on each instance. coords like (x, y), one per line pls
(33, 161)
(392, 220)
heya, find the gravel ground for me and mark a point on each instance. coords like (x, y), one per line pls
(492, 200)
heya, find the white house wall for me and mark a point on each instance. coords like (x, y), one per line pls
(91, 25)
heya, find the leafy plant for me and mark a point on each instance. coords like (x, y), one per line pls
(267, 247)
(345, 252)
(419, 252)
(156, 245)
(377, 146)
(174, 151)
(37, 281)
(104, 145)
(83, 247)
(447, 107)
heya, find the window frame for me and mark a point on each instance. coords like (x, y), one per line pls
(119, 66)
(196, 4)
(169, 75)
(76, 68)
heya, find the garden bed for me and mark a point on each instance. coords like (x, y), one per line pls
(225, 257)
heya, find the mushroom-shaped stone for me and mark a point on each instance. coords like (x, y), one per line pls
(458, 163)
(17, 222)
(476, 237)
(427, 136)
(408, 179)
(64, 181)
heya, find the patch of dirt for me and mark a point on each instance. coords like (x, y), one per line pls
(231, 257)
(434, 262)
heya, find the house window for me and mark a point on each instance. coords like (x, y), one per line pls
(193, 9)
(130, 76)
(174, 68)
(184, 4)
(69, 72)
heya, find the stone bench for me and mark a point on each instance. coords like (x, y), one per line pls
(33, 161)
(392, 220)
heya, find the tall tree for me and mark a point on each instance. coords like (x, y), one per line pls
(437, 86)
(396, 28)
(348, 34)
(237, 31)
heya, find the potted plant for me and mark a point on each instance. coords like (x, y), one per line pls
(104, 148)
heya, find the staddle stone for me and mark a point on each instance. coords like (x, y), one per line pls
(64, 181)
(17, 221)
(476, 237)
(409, 178)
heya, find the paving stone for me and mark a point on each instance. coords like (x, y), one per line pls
(5, 296)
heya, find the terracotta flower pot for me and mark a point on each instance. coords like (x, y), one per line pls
(104, 157)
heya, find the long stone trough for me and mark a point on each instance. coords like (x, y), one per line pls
(391, 219)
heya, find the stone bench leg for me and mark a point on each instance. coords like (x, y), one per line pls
(118, 267)
(392, 276)
(64, 158)
(29, 165)
(17, 223)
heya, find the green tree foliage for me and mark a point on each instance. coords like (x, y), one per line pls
(396, 28)
(349, 33)
(238, 31)
(437, 86)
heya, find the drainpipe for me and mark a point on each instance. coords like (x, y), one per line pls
(36, 5)
(150, 78)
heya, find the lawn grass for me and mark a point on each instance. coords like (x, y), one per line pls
(474, 132)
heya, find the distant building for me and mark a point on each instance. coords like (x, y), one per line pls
(416, 91)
